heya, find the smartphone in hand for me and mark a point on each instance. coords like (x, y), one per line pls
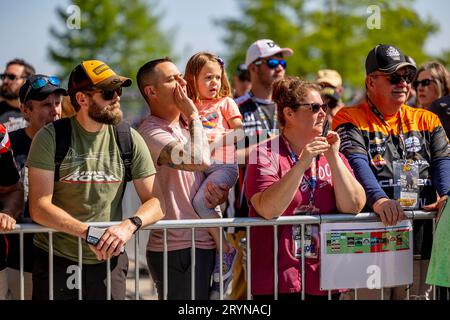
(325, 128)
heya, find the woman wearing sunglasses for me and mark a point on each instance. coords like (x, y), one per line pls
(431, 83)
(299, 172)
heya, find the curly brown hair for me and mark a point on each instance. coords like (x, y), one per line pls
(289, 92)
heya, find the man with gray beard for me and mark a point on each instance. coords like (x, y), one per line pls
(87, 186)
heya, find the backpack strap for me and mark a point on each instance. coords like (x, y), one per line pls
(63, 134)
(122, 133)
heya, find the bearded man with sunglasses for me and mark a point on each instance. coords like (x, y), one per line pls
(383, 132)
(92, 177)
(16, 72)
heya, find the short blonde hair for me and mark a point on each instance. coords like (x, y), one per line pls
(193, 68)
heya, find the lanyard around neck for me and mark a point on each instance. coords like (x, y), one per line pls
(263, 116)
(312, 183)
(380, 116)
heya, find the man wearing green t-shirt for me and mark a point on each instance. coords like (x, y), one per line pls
(89, 189)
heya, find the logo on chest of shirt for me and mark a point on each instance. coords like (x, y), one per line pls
(91, 168)
(324, 177)
(413, 144)
(378, 160)
(90, 177)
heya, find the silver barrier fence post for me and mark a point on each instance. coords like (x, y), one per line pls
(193, 264)
(136, 266)
(220, 264)
(108, 279)
(22, 289)
(80, 270)
(50, 265)
(356, 294)
(434, 230)
(165, 266)
(303, 259)
(249, 264)
(275, 262)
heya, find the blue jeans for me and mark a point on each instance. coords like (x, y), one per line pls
(217, 174)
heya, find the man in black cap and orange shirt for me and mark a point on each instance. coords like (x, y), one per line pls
(87, 186)
(40, 98)
(382, 133)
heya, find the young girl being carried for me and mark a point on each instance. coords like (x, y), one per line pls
(209, 89)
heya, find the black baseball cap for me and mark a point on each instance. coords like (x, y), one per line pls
(39, 87)
(387, 59)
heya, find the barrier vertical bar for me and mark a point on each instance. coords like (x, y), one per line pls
(303, 259)
(249, 264)
(193, 264)
(220, 264)
(50, 265)
(108, 279)
(434, 230)
(275, 262)
(136, 266)
(21, 277)
(356, 294)
(80, 270)
(165, 266)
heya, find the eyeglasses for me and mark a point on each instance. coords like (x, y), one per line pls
(315, 107)
(10, 76)
(395, 78)
(424, 82)
(272, 63)
(40, 83)
(108, 94)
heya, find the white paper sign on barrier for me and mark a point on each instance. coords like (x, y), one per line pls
(365, 255)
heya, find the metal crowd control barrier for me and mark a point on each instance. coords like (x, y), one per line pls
(209, 223)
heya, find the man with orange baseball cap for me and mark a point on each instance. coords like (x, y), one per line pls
(85, 183)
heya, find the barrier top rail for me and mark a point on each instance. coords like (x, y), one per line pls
(240, 222)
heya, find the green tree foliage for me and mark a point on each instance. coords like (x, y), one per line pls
(123, 33)
(328, 33)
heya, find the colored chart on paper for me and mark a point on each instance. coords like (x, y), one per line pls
(367, 242)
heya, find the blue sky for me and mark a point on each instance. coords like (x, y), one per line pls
(24, 26)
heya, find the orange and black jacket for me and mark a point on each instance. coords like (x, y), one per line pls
(372, 143)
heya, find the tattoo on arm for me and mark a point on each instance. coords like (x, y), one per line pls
(192, 156)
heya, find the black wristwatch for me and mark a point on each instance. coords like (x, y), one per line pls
(137, 222)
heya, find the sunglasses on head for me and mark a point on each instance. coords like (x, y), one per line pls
(315, 107)
(424, 82)
(10, 76)
(41, 82)
(273, 63)
(109, 94)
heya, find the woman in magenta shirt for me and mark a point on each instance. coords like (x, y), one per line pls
(298, 172)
